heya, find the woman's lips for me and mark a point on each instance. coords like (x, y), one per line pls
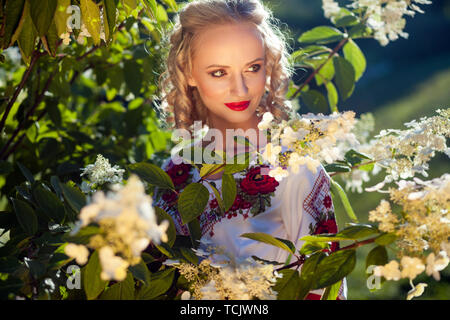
(238, 106)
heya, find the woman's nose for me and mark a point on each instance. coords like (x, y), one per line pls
(239, 86)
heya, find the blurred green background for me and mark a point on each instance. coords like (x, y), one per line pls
(407, 79)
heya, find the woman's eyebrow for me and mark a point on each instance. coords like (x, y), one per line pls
(221, 66)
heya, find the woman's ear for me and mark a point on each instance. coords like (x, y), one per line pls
(191, 81)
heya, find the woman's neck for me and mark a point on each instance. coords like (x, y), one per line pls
(249, 129)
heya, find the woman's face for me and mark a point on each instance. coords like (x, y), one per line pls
(228, 66)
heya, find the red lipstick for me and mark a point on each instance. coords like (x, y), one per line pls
(238, 106)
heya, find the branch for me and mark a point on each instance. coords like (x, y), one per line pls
(29, 114)
(35, 56)
(311, 76)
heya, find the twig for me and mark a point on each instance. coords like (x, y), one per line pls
(29, 113)
(35, 56)
(311, 76)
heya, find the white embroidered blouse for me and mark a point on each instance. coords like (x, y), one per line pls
(298, 205)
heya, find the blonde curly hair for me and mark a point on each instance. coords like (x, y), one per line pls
(181, 104)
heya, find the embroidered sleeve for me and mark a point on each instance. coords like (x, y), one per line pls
(319, 205)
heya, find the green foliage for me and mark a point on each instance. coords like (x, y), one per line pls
(64, 103)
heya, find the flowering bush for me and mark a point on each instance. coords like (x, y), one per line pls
(103, 218)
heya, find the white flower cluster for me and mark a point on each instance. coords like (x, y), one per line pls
(309, 139)
(411, 267)
(228, 277)
(404, 153)
(385, 17)
(101, 172)
(127, 222)
(330, 8)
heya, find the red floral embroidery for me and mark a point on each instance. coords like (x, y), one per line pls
(327, 202)
(169, 196)
(254, 182)
(319, 205)
(179, 173)
(213, 204)
(328, 226)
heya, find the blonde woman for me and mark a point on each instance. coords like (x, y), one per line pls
(227, 64)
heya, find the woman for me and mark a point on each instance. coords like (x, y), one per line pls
(228, 64)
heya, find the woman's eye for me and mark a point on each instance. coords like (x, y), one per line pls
(257, 67)
(216, 74)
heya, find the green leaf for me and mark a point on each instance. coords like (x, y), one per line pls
(109, 14)
(308, 274)
(354, 158)
(332, 96)
(239, 163)
(171, 231)
(141, 272)
(326, 72)
(172, 4)
(355, 56)
(61, 16)
(378, 256)
(27, 37)
(123, 290)
(82, 236)
(367, 167)
(151, 8)
(312, 247)
(51, 39)
(26, 216)
(321, 35)
(332, 292)
(27, 173)
(133, 76)
(229, 190)
(334, 267)
(192, 201)
(159, 284)
(358, 231)
(207, 168)
(10, 285)
(49, 203)
(346, 21)
(42, 13)
(12, 14)
(91, 17)
(359, 31)
(315, 101)
(37, 268)
(337, 167)
(189, 255)
(337, 189)
(385, 239)
(345, 77)
(9, 264)
(267, 238)
(152, 174)
(161, 14)
(92, 283)
(287, 286)
(73, 196)
(195, 232)
(59, 258)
